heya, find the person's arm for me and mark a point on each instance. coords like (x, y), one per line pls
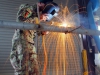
(15, 55)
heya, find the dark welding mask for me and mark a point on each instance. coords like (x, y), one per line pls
(51, 9)
(45, 1)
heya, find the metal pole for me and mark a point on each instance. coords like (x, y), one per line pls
(44, 27)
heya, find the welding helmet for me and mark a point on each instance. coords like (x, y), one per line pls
(51, 9)
(45, 1)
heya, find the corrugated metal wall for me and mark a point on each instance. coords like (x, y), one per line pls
(8, 10)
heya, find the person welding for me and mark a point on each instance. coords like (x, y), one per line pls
(23, 56)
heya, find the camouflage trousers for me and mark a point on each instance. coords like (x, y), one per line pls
(23, 55)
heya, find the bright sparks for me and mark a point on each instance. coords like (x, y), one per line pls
(60, 56)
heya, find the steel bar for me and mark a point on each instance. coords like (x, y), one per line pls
(44, 27)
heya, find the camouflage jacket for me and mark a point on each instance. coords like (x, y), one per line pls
(23, 55)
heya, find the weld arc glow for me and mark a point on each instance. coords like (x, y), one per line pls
(64, 24)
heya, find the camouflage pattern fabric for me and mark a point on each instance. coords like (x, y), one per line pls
(31, 9)
(23, 55)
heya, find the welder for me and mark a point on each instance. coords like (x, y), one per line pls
(23, 54)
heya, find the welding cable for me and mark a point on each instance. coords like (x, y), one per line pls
(45, 55)
(38, 12)
(73, 29)
(37, 21)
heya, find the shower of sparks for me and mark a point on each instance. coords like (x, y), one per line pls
(60, 54)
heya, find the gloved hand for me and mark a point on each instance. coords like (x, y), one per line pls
(44, 32)
(44, 17)
(36, 21)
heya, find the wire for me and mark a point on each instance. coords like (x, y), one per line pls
(73, 29)
(38, 12)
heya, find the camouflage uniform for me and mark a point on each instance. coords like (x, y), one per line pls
(23, 55)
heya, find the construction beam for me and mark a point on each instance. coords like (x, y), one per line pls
(44, 27)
